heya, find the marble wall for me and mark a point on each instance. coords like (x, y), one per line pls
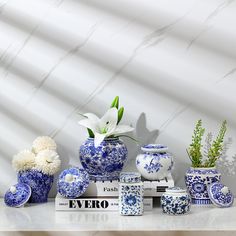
(171, 63)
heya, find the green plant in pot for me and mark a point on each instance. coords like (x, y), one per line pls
(204, 158)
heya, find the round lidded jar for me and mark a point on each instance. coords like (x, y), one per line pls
(155, 163)
(175, 201)
(130, 194)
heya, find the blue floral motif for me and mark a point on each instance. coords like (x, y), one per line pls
(131, 199)
(19, 197)
(220, 197)
(197, 181)
(152, 167)
(104, 162)
(77, 186)
(175, 205)
(39, 182)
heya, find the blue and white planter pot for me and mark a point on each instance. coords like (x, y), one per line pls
(39, 182)
(130, 194)
(155, 163)
(175, 201)
(197, 181)
(73, 182)
(104, 162)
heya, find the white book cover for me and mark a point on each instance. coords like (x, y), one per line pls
(110, 188)
(93, 204)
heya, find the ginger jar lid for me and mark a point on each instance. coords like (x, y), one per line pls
(130, 177)
(73, 182)
(176, 190)
(156, 148)
(220, 195)
(17, 195)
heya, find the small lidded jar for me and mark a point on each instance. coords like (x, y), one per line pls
(175, 201)
(130, 194)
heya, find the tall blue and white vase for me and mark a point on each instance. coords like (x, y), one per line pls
(39, 182)
(155, 163)
(197, 180)
(104, 162)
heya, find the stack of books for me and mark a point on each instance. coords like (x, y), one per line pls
(103, 196)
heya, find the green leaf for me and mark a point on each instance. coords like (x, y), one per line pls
(90, 132)
(115, 102)
(120, 114)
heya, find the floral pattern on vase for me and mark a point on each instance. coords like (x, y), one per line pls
(155, 163)
(39, 182)
(197, 180)
(104, 162)
(176, 203)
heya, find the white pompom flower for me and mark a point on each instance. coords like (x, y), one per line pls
(42, 143)
(24, 160)
(48, 162)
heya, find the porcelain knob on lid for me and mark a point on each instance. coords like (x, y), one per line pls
(130, 177)
(220, 195)
(17, 195)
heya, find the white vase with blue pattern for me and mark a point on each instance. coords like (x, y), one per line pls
(106, 161)
(197, 180)
(155, 163)
(175, 201)
(130, 194)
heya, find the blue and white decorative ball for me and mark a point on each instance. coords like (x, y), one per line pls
(73, 182)
(17, 195)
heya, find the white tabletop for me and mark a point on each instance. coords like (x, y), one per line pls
(43, 217)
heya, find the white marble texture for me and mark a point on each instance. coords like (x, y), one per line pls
(199, 219)
(174, 61)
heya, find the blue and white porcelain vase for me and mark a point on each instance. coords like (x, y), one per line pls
(39, 182)
(155, 163)
(130, 194)
(175, 201)
(197, 180)
(104, 162)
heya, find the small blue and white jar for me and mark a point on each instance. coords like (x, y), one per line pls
(73, 182)
(175, 201)
(39, 182)
(104, 162)
(130, 194)
(197, 181)
(155, 163)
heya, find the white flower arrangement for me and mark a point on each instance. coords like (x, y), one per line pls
(42, 157)
(48, 162)
(24, 160)
(108, 126)
(43, 142)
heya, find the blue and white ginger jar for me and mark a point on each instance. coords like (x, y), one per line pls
(104, 162)
(197, 180)
(130, 194)
(155, 163)
(73, 182)
(39, 182)
(175, 201)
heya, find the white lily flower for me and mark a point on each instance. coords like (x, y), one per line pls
(104, 127)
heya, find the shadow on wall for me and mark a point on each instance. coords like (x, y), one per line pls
(144, 136)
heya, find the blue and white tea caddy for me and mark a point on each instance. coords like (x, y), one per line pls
(175, 201)
(155, 163)
(130, 194)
